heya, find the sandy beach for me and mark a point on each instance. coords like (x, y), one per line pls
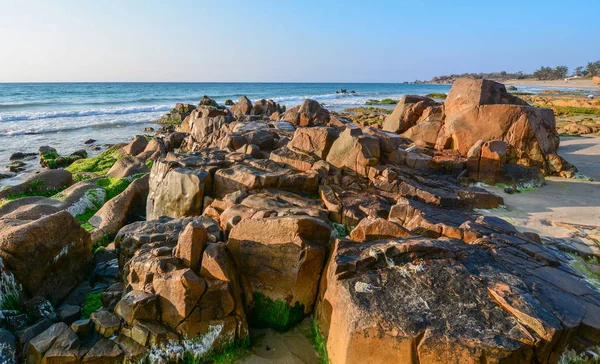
(587, 83)
(574, 202)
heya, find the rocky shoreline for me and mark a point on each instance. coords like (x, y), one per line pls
(172, 248)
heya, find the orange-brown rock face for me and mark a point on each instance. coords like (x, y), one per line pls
(281, 257)
(419, 300)
(482, 110)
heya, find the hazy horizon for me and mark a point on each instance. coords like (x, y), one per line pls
(270, 42)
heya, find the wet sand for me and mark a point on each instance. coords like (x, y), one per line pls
(574, 202)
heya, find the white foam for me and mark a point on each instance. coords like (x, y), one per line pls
(81, 113)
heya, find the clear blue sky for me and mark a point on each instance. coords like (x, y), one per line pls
(294, 41)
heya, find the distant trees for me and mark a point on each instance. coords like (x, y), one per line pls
(495, 76)
(549, 73)
(593, 68)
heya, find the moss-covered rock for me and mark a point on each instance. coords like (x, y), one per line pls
(276, 314)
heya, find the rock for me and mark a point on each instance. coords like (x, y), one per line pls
(39, 308)
(282, 259)
(126, 167)
(90, 141)
(207, 101)
(125, 208)
(105, 323)
(176, 192)
(229, 102)
(105, 352)
(83, 328)
(370, 229)
(44, 150)
(396, 282)
(314, 141)
(8, 347)
(137, 305)
(190, 245)
(56, 245)
(354, 151)
(242, 107)
(80, 153)
(133, 352)
(310, 113)
(21, 155)
(136, 146)
(407, 112)
(266, 108)
(56, 336)
(178, 292)
(47, 180)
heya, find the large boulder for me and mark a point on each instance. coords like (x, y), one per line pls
(355, 151)
(176, 192)
(315, 141)
(49, 256)
(419, 300)
(310, 113)
(467, 93)
(407, 112)
(280, 260)
(126, 167)
(56, 179)
(125, 208)
(242, 107)
(266, 107)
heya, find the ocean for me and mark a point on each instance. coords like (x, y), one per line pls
(65, 115)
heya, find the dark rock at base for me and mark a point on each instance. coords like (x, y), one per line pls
(89, 141)
(21, 155)
(8, 347)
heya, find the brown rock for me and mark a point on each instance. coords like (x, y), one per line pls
(310, 113)
(104, 352)
(242, 107)
(314, 141)
(137, 305)
(354, 151)
(190, 245)
(406, 113)
(127, 166)
(136, 146)
(281, 257)
(56, 245)
(370, 229)
(178, 292)
(105, 323)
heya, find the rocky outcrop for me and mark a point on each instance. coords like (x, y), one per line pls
(482, 110)
(242, 107)
(384, 300)
(176, 192)
(56, 245)
(282, 258)
(310, 113)
(48, 180)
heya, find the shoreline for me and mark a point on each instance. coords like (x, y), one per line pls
(577, 83)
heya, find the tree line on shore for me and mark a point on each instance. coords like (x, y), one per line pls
(543, 73)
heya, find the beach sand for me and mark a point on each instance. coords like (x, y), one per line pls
(578, 83)
(544, 210)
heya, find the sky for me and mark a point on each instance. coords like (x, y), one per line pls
(289, 41)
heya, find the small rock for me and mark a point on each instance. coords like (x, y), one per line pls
(105, 323)
(80, 153)
(70, 313)
(89, 141)
(83, 327)
(21, 155)
(509, 190)
(46, 150)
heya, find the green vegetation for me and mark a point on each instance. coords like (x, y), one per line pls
(112, 186)
(149, 163)
(274, 314)
(10, 292)
(34, 188)
(340, 230)
(582, 265)
(574, 111)
(368, 110)
(549, 73)
(382, 102)
(92, 303)
(319, 342)
(437, 95)
(100, 244)
(571, 357)
(229, 354)
(522, 93)
(99, 164)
